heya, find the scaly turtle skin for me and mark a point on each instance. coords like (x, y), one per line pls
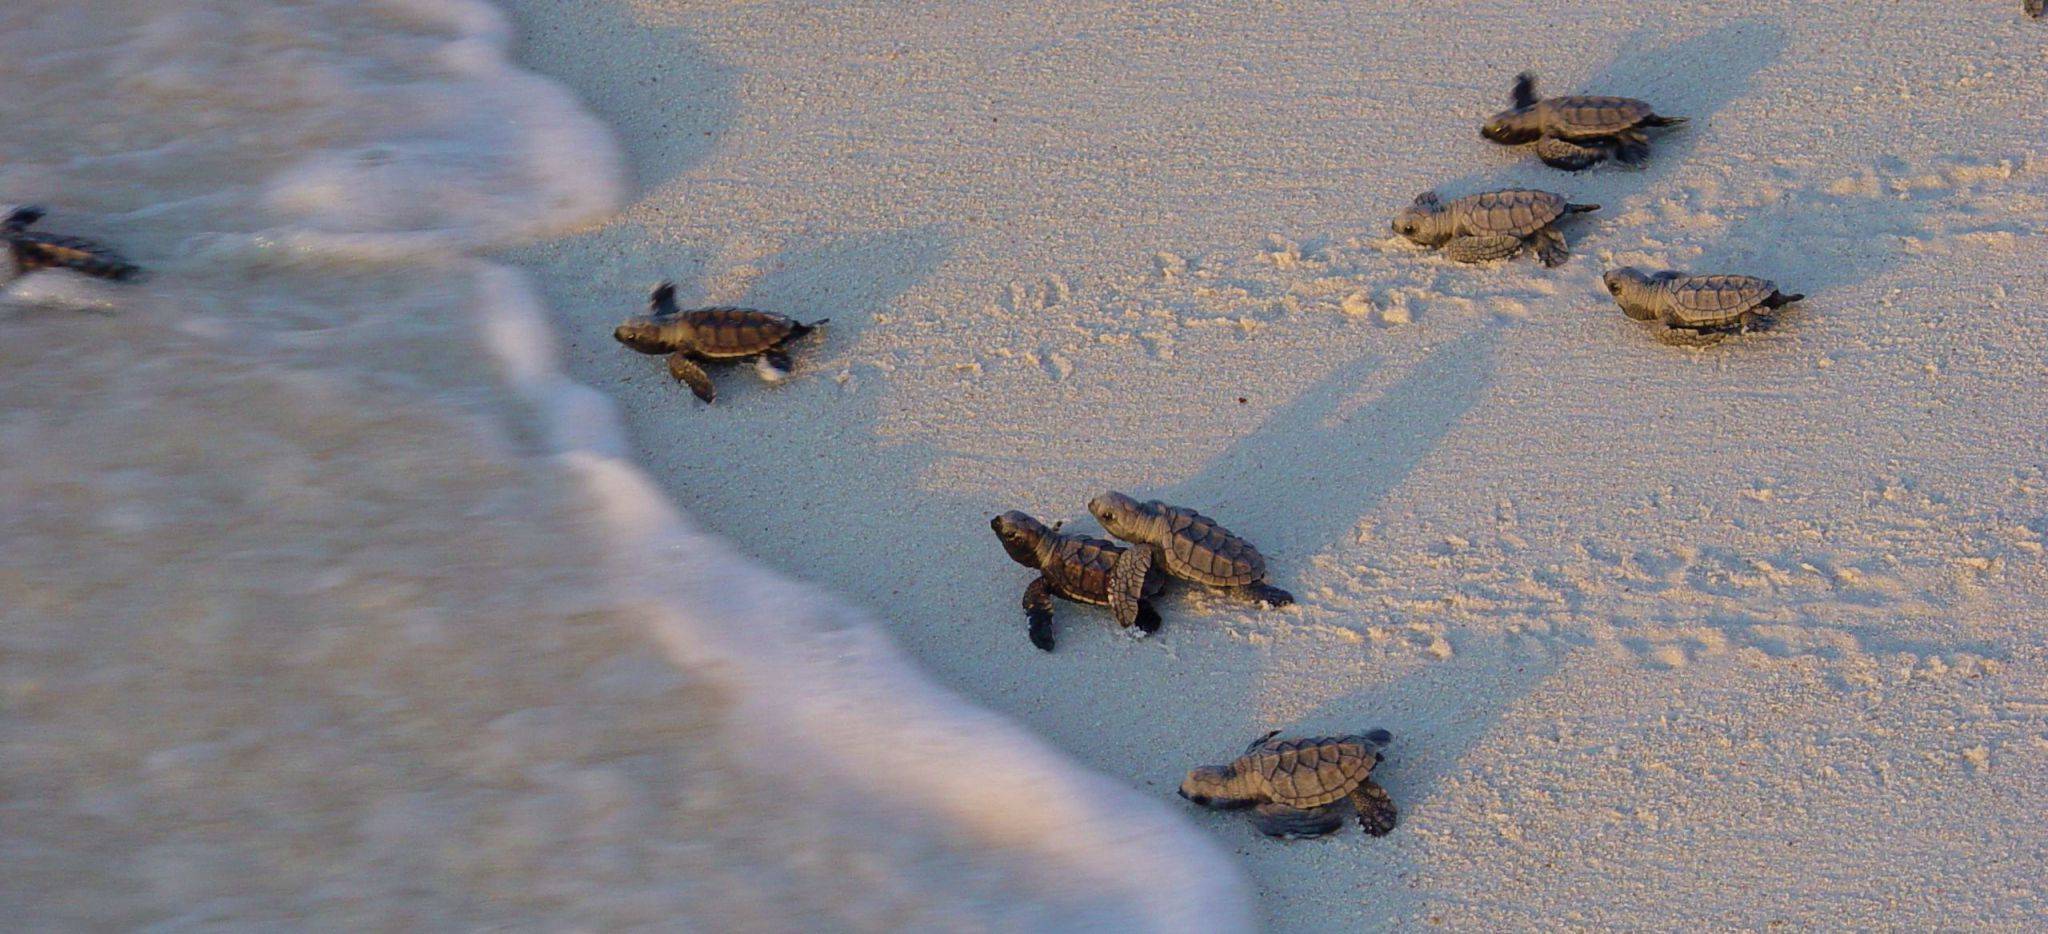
(1697, 303)
(1190, 545)
(709, 334)
(1081, 569)
(1583, 130)
(1298, 787)
(33, 251)
(1492, 225)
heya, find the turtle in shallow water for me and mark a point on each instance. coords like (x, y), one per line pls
(1298, 787)
(1189, 545)
(33, 250)
(1706, 304)
(1081, 569)
(709, 334)
(1491, 225)
(1576, 131)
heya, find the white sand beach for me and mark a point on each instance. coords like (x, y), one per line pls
(353, 577)
(1669, 637)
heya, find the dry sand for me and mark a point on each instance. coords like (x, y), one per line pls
(1669, 637)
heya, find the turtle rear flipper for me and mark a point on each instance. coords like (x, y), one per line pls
(1550, 247)
(1127, 584)
(1261, 741)
(1661, 120)
(773, 366)
(1780, 300)
(1038, 613)
(690, 374)
(1376, 812)
(1482, 249)
(1279, 820)
(1632, 148)
(1267, 594)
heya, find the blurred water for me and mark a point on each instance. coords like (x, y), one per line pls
(306, 618)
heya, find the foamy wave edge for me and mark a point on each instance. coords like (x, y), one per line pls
(801, 665)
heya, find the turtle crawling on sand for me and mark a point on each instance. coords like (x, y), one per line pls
(33, 251)
(2035, 8)
(689, 337)
(1298, 787)
(1081, 569)
(1491, 225)
(1706, 304)
(1577, 131)
(1191, 546)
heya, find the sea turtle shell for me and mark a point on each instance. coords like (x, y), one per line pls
(1713, 301)
(1082, 567)
(1207, 553)
(42, 251)
(1585, 116)
(1309, 773)
(1515, 212)
(735, 332)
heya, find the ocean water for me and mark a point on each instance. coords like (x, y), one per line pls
(325, 599)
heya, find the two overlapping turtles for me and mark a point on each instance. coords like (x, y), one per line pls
(1576, 132)
(1163, 540)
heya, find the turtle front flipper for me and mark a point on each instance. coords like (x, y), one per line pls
(1265, 593)
(1376, 811)
(1279, 820)
(1551, 249)
(690, 374)
(1038, 611)
(1482, 249)
(1569, 156)
(1127, 581)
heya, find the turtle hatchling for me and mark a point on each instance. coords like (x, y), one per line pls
(1299, 787)
(1492, 225)
(1081, 569)
(1577, 131)
(33, 251)
(2035, 8)
(1190, 546)
(1696, 303)
(711, 334)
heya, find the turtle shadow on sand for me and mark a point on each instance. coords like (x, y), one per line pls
(1299, 483)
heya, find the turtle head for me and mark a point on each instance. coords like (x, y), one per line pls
(1423, 221)
(1021, 536)
(1216, 786)
(1517, 124)
(1377, 740)
(1513, 127)
(1119, 514)
(643, 333)
(1628, 285)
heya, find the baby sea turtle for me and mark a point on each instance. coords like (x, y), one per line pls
(689, 337)
(1191, 546)
(1577, 131)
(33, 251)
(1081, 569)
(1492, 225)
(1297, 787)
(1697, 303)
(2035, 8)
